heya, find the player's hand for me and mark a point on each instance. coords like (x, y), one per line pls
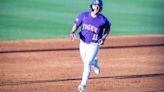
(101, 41)
(72, 36)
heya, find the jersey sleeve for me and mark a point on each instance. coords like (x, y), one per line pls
(107, 24)
(78, 21)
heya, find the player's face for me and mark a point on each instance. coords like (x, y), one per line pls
(96, 8)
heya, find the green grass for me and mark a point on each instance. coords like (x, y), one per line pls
(136, 17)
(40, 19)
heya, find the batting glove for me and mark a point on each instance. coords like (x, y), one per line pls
(72, 36)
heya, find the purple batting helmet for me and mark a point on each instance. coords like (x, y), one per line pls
(97, 2)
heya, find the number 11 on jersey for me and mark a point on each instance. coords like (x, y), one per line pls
(95, 37)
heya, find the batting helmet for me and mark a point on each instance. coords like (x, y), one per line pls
(97, 2)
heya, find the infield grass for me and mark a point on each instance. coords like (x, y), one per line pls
(40, 19)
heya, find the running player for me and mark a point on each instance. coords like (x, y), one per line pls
(95, 28)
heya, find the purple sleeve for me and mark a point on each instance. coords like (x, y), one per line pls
(107, 24)
(78, 21)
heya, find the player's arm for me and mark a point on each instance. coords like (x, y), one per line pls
(107, 29)
(77, 23)
(106, 33)
(74, 29)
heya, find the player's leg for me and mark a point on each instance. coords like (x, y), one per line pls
(91, 53)
(95, 64)
(83, 50)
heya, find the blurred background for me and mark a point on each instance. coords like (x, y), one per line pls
(46, 19)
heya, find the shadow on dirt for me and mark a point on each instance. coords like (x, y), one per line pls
(78, 79)
(72, 49)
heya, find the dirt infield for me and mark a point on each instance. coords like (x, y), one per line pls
(128, 64)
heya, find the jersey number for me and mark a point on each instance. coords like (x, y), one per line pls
(95, 37)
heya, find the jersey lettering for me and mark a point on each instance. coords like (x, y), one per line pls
(90, 28)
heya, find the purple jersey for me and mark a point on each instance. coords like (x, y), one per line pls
(91, 28)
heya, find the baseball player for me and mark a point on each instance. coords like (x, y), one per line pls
(95, 27)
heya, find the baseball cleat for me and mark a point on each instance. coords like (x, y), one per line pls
(96, 67)
(81, 88)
